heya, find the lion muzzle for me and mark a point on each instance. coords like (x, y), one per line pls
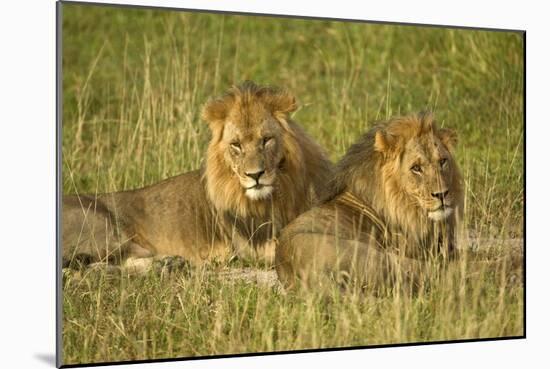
(440, 214)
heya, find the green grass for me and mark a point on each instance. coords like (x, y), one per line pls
(133, 85)
(175, 315)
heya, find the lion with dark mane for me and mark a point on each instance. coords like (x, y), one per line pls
(396, 201)
(261, 171)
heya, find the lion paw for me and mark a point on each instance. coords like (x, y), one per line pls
(171, 264)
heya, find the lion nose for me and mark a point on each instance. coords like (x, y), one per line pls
(256, 175)
(440, 195)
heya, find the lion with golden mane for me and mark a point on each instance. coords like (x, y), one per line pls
(396, 200)
(261, 171)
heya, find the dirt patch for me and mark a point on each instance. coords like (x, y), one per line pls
(263, 278)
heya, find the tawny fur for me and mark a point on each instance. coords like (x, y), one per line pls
(374, 177)
(205, 214)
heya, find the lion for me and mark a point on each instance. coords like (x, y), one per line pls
(261, 171)
(397, 198)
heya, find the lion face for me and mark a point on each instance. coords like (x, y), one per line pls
(249, 127)
(253, 151)
(419, 163)
(426, 175)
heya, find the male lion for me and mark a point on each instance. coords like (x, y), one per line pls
(397, 196)
(261, 171)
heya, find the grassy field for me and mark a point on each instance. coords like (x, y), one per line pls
(133, 85)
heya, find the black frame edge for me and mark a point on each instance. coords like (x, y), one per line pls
(291, 352)
(305, 17)
(58, 179)
(525, 184)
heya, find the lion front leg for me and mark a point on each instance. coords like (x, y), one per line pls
(262, 253)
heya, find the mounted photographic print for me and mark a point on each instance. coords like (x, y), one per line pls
(240, 184)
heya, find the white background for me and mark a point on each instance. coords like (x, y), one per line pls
(27, 182)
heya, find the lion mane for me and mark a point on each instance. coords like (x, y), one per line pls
(382, 204)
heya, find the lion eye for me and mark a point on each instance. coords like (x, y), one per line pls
(442, 162)
(416, 168)
(267, 140)
(236, 146)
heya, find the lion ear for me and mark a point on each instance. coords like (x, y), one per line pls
(214, 113)
(283, 103)
(279, 102)
(383, 142)
(216, 110)
(448, 137)
(427, 121)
